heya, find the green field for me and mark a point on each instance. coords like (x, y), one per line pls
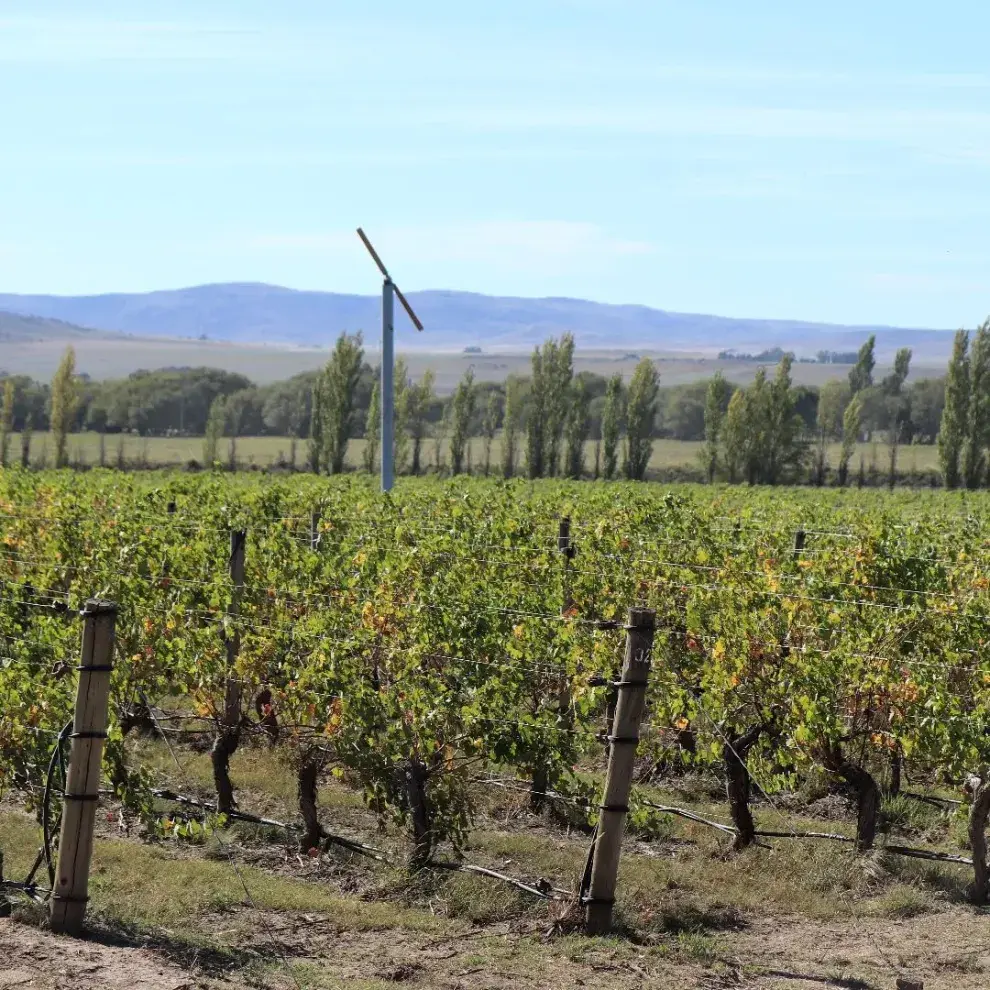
(670, 459)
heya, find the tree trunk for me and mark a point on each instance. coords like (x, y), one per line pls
(896, 764)
(224, 746)
(979, 787)
(687, 741)
(734, 754)
(306, 786)
(538, 789)
(419, 814)
(867, 795)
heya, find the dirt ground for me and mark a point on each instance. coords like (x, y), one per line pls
(948, 949)
(33, 958)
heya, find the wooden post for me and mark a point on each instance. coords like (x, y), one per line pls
(798, 542)
(82, 784)
(623, 741)
(314, 530)
(229, 733)
(567, 550)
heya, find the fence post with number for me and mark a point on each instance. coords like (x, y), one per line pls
(82, 782)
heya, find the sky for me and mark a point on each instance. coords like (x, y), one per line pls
(764, 159)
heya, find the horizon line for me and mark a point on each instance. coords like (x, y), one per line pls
(461, 292)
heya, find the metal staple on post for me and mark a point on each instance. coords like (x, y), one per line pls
(82, 784)
(624, 739)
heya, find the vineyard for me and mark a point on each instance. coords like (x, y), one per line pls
(453, 641)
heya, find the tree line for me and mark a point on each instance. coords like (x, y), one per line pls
(551, 422)
(756, 434)
(544, 421)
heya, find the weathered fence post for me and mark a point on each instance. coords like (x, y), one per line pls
(314, 530)
(229, 731)
(799, 542)
(623, 741)
(82, 784)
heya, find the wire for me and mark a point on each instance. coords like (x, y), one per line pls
(233, 864)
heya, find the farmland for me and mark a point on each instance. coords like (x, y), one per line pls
(669, 460)
(425, 677)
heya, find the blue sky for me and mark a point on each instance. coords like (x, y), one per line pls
(778, 159)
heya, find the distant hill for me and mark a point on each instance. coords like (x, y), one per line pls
(19, 327)
(254, 313)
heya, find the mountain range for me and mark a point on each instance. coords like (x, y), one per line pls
(259, 313)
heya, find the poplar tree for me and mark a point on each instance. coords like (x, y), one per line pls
(832, 399)
(558, 369)
(417, 400)
(715, 402)
(577, 428)
(897, 408)
(955, 415)
(783, 450)
(536, 420)
(861, 374)
(440, 437)
(757, 418)
(6, 421)
(372, 429)
(65, 401)
(735, 435)
(611, 426)
(851, 419)
(461, 412)
(640, 413)
(978, 413)
(339, 385)
(489, 426)
(214, 430)
(26, 434)
(316, 426)
(400, 408)
(511, 421)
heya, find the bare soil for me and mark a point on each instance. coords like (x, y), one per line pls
(945, 949)
(34, 958)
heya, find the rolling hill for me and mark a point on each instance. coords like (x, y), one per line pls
(21, 327)
(256, 313)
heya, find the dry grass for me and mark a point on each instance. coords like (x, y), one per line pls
(685, 903)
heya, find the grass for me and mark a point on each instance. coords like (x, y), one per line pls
(147, 886)
(669, 458)
(681, 899)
